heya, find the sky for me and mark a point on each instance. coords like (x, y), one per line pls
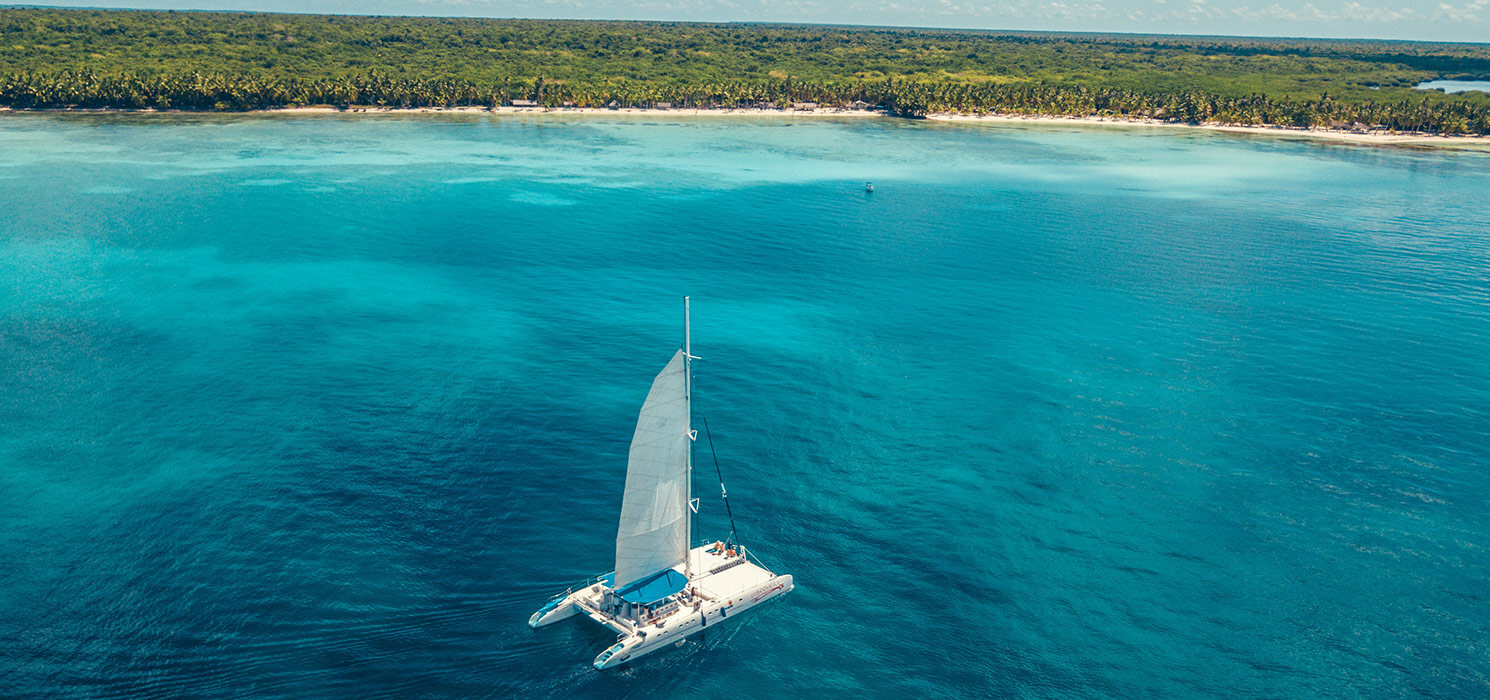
(1424, 20)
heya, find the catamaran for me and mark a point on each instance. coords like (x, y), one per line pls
(663, 590)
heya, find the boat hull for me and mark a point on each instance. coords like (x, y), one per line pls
(560, 608)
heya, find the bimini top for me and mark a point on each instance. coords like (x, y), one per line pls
(650, 589)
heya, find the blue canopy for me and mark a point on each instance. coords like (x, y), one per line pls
(650, 589)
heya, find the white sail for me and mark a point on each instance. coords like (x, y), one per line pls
(654, 512)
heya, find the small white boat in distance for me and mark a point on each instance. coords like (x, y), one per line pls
(663, 590)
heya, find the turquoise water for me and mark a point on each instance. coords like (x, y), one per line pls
(326, 406)
(1455, 85)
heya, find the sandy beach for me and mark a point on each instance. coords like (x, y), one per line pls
(1361, 137)
(635, 111)
(1382, 138)
(1358, 137)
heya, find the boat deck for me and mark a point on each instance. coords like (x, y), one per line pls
(724, 584)
(718, 577)
(720, 581)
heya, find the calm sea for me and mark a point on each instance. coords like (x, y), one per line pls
(326, 407)
(1452, 86)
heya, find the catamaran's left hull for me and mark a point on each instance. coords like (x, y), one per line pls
(559, 608)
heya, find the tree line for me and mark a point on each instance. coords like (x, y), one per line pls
(910, 98)
(200, 61)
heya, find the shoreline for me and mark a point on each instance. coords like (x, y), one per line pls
(1338, 135)
(1374, 137)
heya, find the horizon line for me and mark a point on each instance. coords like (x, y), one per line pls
(1045, 32)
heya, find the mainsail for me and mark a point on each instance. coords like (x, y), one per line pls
(654, 512)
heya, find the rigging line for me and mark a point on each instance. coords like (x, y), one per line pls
(733, 536)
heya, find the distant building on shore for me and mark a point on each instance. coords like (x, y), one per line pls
(524, 103)
(804, 105)
(662, 105)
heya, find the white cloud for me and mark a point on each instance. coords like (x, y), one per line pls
(1468, 12)
(1352, 11)
(1360, 13)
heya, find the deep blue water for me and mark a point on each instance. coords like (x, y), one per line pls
(325, 406)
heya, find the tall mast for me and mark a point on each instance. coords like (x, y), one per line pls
(688, 401)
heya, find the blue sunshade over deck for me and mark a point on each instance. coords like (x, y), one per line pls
(650, 589)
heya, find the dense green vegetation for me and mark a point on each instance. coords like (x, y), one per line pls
(239, 61)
